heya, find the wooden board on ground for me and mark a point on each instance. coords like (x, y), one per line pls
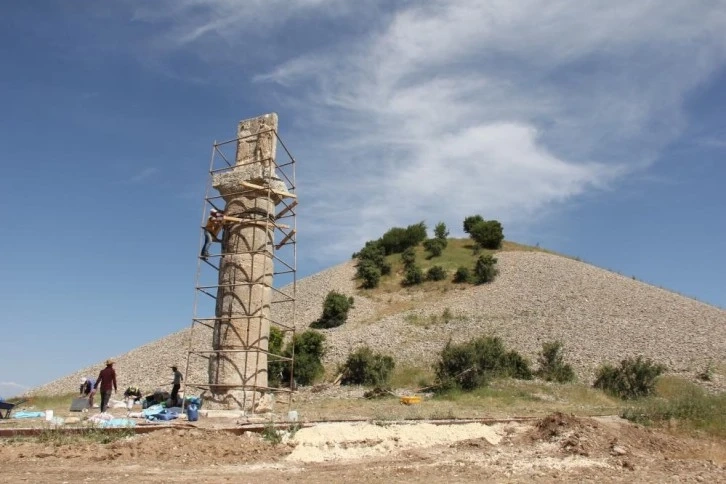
(79, 404)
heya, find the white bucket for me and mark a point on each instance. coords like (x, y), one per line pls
(292, 415)
(49, 415)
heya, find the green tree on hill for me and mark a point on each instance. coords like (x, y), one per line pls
(485, 269)
(335, 311)
(437, 245)
(470, 221)
(398, 239)
(440, 231)
(488, 234)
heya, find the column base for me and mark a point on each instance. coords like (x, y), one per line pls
(245, 400)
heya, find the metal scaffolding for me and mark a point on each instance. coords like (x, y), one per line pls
(282, 254)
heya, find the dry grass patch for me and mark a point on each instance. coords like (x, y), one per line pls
(412, 377)
(503, 399)
(681, 404)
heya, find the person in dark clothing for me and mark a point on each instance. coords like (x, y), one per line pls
(176, 385)
(107, 380)
(133, 392)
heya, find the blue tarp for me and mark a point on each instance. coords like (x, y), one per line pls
(117, 423)
(22, 414)
(152, 410)
(158, 412)
(165, 415)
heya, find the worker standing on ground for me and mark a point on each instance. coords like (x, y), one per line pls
(176, 385)
(215, 222)
(87, 390)
(107, 380)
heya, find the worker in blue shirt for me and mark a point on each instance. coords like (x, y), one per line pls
(87, 389)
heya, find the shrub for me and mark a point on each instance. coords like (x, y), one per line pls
(414, 275)
(485, 270)
(447, 315)
(463, 274)
(309, 351)
(398, 239)
(275, 367)
(488, 234)
(470, 221)
(634, 378)
(552, 366)
(335, 311)
(516, 366)
(434, 246)
(373, 251)
(271, 434)
(372, 256)
(364, 367)
(707, 373)
(436, 273)
(369, 273)
(457, 368)
(474, 363)
(275, 341)
(408, 257)
(441, 233)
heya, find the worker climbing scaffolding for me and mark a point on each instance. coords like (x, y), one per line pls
(214, 225)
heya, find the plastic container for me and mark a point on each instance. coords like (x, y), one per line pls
(292, 415)
(49, 415)
(192, 413)
(411, 400)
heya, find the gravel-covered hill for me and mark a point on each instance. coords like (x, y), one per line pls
(599, 316)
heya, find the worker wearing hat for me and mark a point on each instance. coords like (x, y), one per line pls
(107, 380)
(211, 230)
(176, 384)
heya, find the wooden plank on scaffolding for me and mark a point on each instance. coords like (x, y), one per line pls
(287, 237)
(280, 193)
(287, 209)
(249, 221)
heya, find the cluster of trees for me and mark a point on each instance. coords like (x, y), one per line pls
(465, 366)
(373, 262)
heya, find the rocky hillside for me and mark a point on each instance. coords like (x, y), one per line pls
(600, 317)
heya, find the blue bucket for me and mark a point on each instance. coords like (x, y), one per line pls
(192, 413)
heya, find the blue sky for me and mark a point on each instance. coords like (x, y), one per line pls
(592, 128)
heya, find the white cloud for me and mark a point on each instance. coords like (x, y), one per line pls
(191, 21)
(144, 174)
(500, 108)
(443, 109)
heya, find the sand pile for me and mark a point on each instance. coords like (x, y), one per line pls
(343, 441)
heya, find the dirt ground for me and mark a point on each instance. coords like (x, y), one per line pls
(556, 448)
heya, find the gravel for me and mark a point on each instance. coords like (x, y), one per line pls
(600, 316)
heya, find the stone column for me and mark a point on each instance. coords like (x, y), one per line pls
(246, 268)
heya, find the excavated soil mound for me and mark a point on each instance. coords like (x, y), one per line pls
(558, 448)
(177, 446)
